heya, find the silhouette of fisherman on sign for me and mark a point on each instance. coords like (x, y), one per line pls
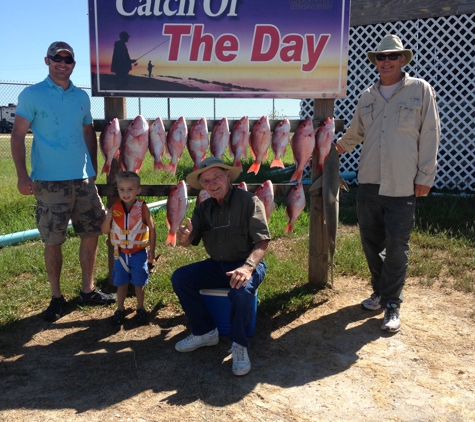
(121, 62)
(149, 68)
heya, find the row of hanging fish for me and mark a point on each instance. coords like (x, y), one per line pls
(140, 137)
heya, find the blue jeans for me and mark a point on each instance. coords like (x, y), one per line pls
(187, 282)
(385, 225)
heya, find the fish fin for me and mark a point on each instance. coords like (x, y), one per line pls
(237, 162)
(171, 168)
(254, 167)
(288, 228)
(106, 169)
(252, 153)
(319, 168)
(343, 184)
(158, 166)
(277, 162)
(171, 239)
(317, 184)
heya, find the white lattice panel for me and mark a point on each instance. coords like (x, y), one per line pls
(444, 55)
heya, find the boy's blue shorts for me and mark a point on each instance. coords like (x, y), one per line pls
(137, 264)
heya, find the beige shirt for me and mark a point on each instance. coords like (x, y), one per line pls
(400, 137)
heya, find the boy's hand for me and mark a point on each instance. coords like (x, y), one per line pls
(152, 261)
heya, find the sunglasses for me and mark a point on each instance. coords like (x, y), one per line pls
(391, 56)
(59, 59)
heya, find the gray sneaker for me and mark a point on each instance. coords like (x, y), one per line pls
(372, 303)
(391, 321)
(193, 342)
(241, 361)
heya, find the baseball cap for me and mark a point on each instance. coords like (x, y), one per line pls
(58, 46)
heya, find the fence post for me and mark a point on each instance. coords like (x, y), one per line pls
(318, 242)
(113, 107)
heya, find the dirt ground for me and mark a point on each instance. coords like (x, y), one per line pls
(331, 363)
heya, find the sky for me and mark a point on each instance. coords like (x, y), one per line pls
(30, 26)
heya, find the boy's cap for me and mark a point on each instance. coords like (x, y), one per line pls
(58, 46)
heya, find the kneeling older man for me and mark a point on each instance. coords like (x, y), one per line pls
(233, 227)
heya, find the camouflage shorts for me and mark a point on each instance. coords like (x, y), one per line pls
(61, 201)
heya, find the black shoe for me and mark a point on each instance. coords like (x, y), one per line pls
(142, 316)
(118, 317)
(55, 309)
(96, 297)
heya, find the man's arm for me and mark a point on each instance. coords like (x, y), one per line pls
(91, 142)
(17, 142)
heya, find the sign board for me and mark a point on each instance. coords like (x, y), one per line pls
(219, 48)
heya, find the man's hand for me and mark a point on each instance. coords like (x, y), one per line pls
(240, 276)
(421, 190)
(25, 186)
(184, 233)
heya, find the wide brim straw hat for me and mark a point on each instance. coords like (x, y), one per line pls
(193, 179)
(390, 44)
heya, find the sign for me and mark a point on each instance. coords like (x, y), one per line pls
(219, 48)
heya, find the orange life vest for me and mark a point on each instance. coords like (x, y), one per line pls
(128, 231)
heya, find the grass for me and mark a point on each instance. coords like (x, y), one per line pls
(441, 253)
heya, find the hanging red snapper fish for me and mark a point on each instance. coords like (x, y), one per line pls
(177, 203)
(134, 145)
(176, 141)
(242, 185)
(303, 144)
(325, 135)
(240, 140)
(280, 139)
(220, 138)
(202, 196)
(157, 139)
(295, 205)
(265, 193)
(260, 142)
(198, 142)
(109, 142)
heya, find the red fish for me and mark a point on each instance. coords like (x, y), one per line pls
(303, 144)
(202, 196)
(242, 185)
(198, 142)
(325, 135)
(177, 203)
(265, 193)
(109, 141)
(134, 145)
(280, 139)
(240, 140)
(176, 141)
(295, 205)
(157, 140)
(220, 138)
(260, 141)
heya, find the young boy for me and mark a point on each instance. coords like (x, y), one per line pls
(131, 230)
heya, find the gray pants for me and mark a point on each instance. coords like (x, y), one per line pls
(385, 225)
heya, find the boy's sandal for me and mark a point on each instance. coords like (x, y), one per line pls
(142, 316)
(118, 317)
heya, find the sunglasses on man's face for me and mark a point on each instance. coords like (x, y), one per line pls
(59, 59)
(391, 56)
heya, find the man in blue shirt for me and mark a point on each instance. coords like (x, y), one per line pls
(64, 166)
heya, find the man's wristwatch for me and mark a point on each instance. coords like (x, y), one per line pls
(251, 263)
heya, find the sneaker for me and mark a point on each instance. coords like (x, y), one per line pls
(55, 309)
(372, 303)
(391, 321)
(142, 316)
(118, 317)
(193, 342)
(241, 362)
(96, 297)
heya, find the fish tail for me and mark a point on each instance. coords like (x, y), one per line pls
(158, 165)
(319, 168)
(254, 167)
(288, 228)
(277, 162)
(297, 175)
(106, 169)
(237, 162)
(170, 168)
(171, 239)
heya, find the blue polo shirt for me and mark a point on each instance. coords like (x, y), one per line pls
(56, 117)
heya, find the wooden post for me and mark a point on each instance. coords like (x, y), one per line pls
(113, 107)
(318, 242)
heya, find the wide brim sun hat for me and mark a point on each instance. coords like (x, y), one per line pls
(390, 44)
(193, 179)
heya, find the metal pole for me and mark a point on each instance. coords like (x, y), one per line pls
(168, 107)
(140, 106)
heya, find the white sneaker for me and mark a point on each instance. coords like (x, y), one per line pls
(391, 321)
(372, 303)
(193, 342)
(241, 362)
